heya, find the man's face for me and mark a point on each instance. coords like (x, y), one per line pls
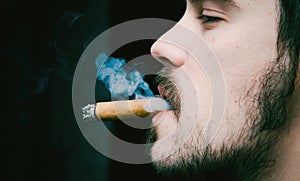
(242, 35)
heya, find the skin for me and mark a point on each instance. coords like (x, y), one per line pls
(287, 167)
(244, 41)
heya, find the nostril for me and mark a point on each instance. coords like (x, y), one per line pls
(164, 61)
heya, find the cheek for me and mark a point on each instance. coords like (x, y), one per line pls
(242, 57)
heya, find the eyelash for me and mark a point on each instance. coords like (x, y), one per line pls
(209, 19)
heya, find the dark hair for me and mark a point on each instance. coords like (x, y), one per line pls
(288, 43)
(279, 83)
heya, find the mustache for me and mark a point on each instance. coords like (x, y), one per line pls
(167, 84)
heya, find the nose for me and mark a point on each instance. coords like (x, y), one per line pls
(167, 52)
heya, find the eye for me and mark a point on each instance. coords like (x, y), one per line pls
(209, 19)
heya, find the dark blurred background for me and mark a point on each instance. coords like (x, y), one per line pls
(41, 44)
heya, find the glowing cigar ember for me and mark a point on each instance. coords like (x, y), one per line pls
(106, 111)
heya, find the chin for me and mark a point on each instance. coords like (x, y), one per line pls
(175, 139)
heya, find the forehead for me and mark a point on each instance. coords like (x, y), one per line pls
(225, 3)
(265, 5)
(219, 1)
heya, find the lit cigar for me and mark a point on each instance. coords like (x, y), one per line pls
(106, 111)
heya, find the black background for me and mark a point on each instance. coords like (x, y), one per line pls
(41, 43)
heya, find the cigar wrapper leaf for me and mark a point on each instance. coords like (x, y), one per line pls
(115, 110)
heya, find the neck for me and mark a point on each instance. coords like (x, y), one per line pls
(289, 155)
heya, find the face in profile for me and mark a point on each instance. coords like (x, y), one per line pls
(242, 35)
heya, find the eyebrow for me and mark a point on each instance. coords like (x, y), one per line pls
(227, 3)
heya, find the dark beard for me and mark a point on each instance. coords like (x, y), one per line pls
(250, 162)
(255, 159)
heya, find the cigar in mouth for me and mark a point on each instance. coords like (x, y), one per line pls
(115, 110)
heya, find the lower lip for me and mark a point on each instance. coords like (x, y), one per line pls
(161, 116)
